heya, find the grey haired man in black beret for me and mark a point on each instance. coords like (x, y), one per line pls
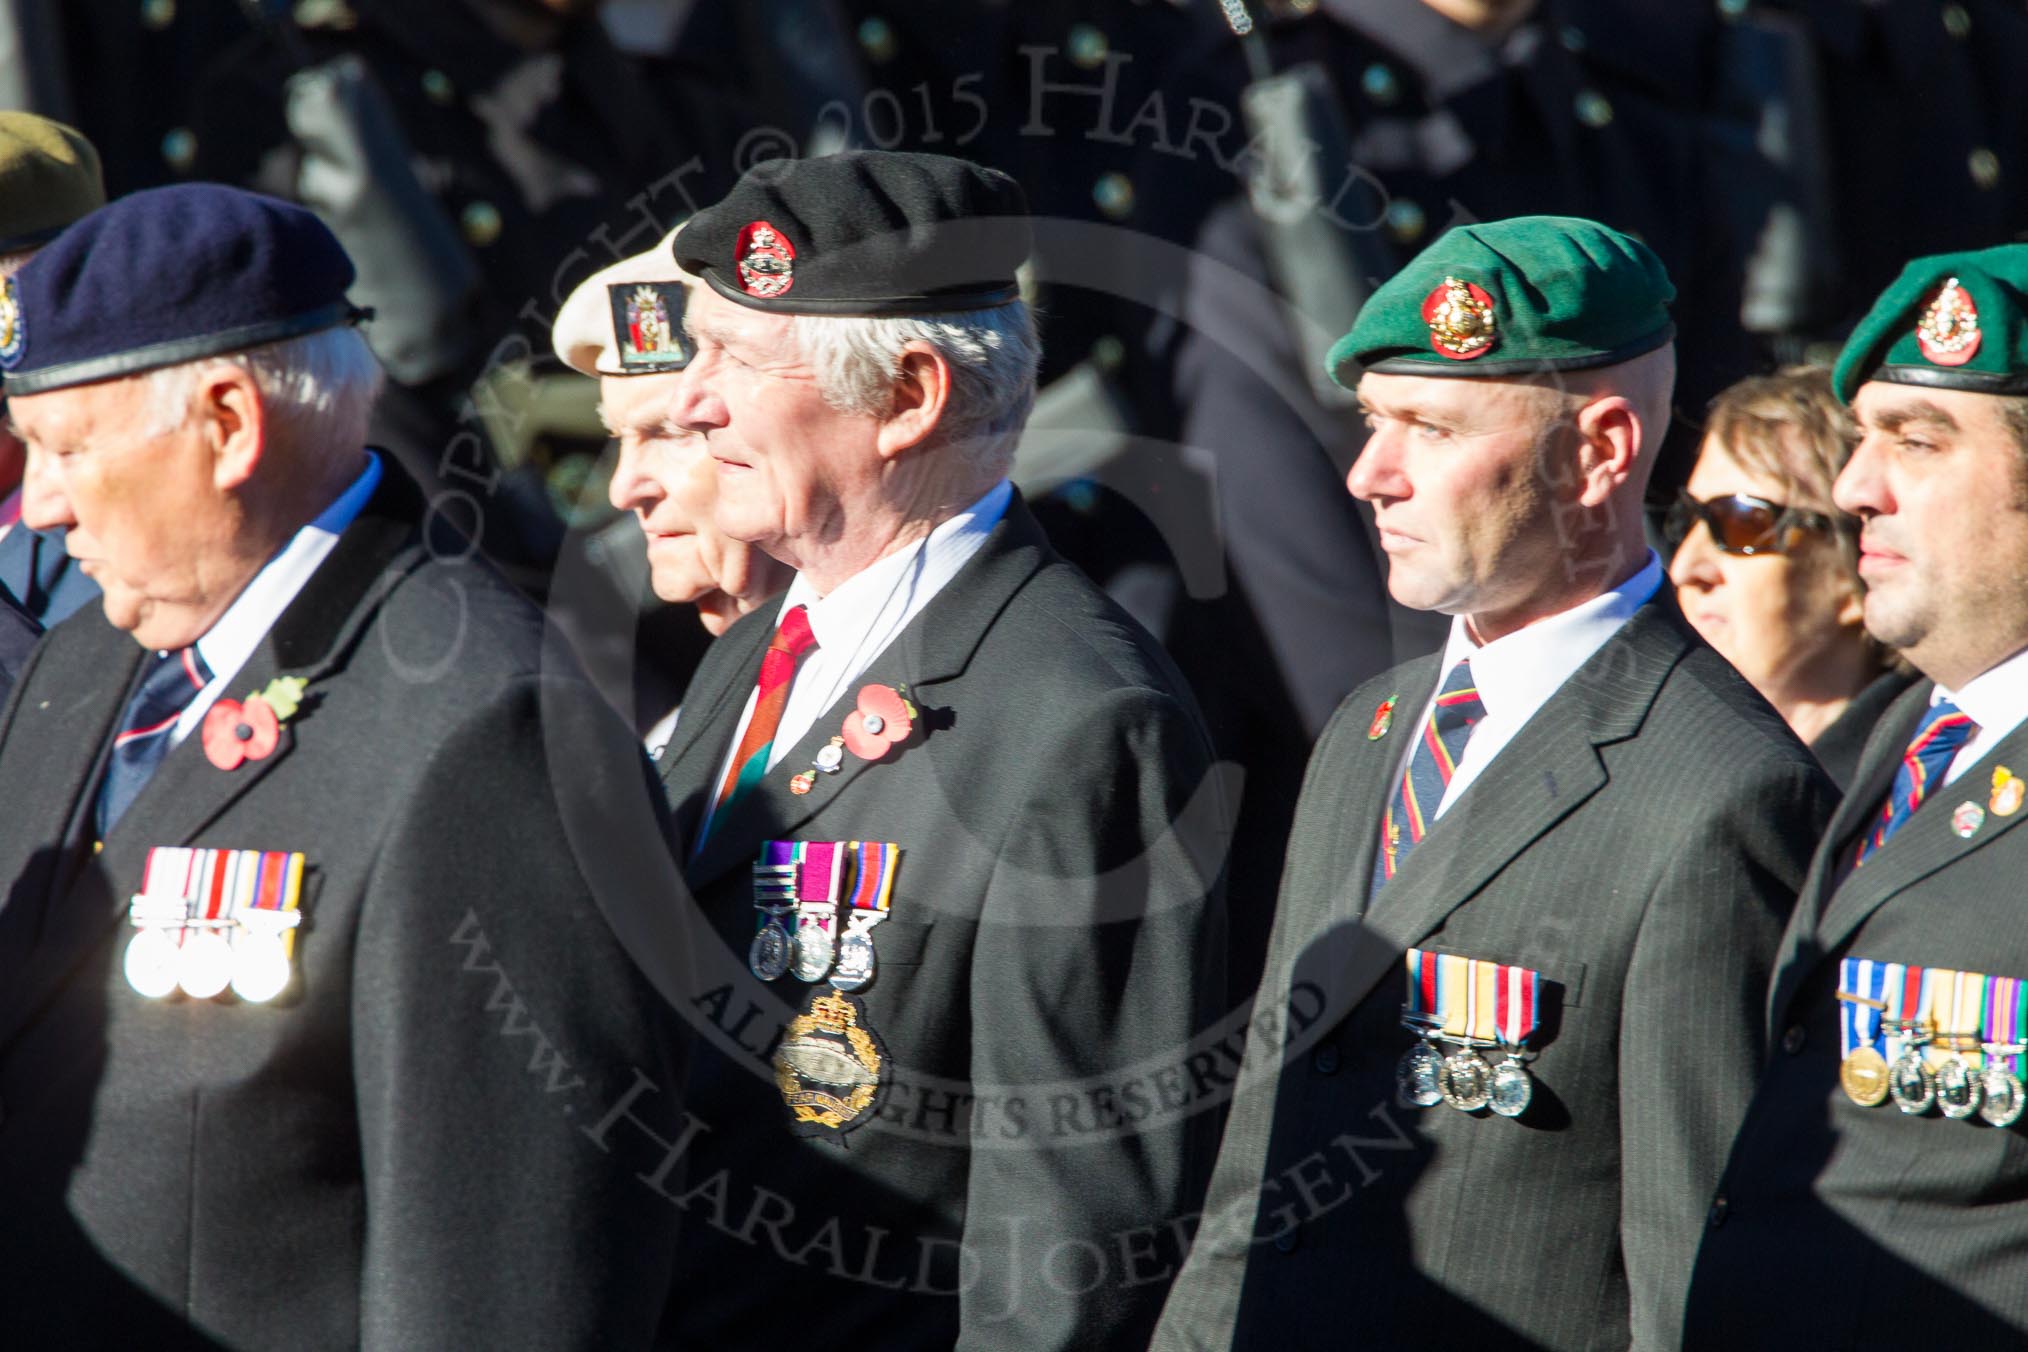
(951, 811)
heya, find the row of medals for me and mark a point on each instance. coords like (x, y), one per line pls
(810, 951)
(1956, 1087)
(206, 962)
(1464, 1079)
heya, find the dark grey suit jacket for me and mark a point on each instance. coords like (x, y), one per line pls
(1638, 843)
(1850, 1227)
(389, 1155)
(1053, 947)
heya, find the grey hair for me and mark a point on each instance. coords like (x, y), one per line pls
(993, 355)
(319, 389)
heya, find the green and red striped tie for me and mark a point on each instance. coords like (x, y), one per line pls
(1437, 753)
(777, 669)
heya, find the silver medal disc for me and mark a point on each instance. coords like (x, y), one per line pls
(814, 950)
(1512, 1088)
(1466, 1081)
(1959, 1089)
(204, 967)
(151, 963)
(2004, 1100)
(260, 968)
(769, 955)
(855, 962)
(1909, 1080)
(1416, 1077)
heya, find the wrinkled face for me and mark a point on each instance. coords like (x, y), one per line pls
(668, 481)
(1464, 494)
(147, 520)
(1939, 481)
(789, 465)
(1777, 617)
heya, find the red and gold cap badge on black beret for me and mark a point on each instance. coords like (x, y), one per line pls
(1948, 332)
(767, 261)
(1460, 319)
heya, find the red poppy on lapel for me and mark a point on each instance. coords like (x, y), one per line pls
(235, 733)
(882, 719)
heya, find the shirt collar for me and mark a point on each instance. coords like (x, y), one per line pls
(841, 620)
(1996, 699)
(228, 644)
(1521, 670)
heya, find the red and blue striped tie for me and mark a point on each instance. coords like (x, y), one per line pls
(778, 668)
(1938, 738)
(1437, 753)
(165, 692)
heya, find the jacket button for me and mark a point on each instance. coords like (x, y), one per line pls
(1286, 1242)
(1719, 1210)
(1792, 1041)
(1325, 1060)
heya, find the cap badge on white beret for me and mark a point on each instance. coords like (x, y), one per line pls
(647, 322)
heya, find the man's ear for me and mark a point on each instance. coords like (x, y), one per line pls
(922, 389)
(228, 403)
(1608, 447)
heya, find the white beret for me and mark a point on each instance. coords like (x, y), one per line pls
(627, 319)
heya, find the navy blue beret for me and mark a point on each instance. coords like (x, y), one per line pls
(865, 232)
(168, 276)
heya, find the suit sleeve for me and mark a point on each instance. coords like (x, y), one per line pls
(1693, 1020)
(496, 1020)
(1203, 1307)
(1097, 960)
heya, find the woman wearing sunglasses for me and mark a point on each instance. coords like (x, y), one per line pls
(1765, 567)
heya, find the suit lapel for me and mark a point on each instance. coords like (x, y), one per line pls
(935, 646)
(1542, 775)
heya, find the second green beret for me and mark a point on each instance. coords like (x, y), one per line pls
(1528, 294)
(1953, 321)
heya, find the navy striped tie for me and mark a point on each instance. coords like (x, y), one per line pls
(1942, 733)
(173, 680)
(1437, 752)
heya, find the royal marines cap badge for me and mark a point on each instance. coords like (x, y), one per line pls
(767, 261)
(648, 326)
(830, 1067)
(1948, 332)
(1460, 319)
(13, 336)
(208, 919)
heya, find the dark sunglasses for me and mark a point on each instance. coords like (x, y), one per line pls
(1740, 524)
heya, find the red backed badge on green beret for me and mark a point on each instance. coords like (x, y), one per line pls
(1948, 332)
(767, 261)
(1460, 319)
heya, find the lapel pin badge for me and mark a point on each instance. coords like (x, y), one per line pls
(1383, 719)
(1967, 819)
(2009, 789)
(237, 731)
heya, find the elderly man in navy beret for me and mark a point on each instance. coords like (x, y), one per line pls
(299, 929)
(950, 810)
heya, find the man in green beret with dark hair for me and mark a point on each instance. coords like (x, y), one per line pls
(1536, 881)
(1875, 1192)
(49, 177)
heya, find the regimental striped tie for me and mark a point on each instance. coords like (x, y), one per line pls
(165, 692)
(1938, 738)
(1437, 752)
(778, 668)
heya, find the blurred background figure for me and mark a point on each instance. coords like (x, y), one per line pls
(49, 177)
(1766, 568)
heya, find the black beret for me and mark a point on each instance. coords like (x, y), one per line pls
(167, 276)
(865, 232)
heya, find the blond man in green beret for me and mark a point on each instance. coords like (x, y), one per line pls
(1877, 1188)
(1536, 882)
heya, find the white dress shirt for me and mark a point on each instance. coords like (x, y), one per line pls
(228, 644)
(862, 616)
(1515, 675)
(1997, 700)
